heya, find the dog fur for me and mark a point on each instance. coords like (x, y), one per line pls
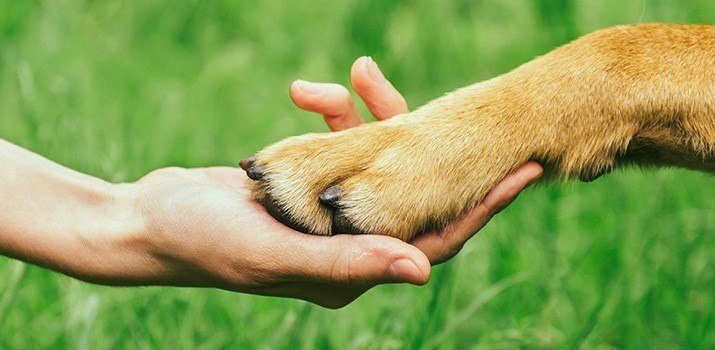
(641, 94)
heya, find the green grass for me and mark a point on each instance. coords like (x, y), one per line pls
(117, 89)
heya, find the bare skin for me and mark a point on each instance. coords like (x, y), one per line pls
(200, 228)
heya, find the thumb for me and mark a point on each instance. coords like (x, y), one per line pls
(355, 260)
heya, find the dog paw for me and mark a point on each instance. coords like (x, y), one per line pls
(412, 173)
(579, 111)
(419, 171)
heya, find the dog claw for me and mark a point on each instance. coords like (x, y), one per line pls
(256, 172)
(331, 196)
(247, 163)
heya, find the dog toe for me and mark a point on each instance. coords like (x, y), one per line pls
(247, 163)
(331, 196)
(256, 172)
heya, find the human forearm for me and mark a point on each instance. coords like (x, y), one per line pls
(201, 227)
(58, 218)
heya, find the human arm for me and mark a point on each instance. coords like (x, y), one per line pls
(199, 227)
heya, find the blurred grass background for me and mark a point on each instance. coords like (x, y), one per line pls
(117, 89)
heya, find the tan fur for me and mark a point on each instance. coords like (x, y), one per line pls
(641, 94)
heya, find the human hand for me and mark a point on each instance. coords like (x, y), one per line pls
(203, 229)
(199, 227)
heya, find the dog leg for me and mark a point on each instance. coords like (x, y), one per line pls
(641, 94)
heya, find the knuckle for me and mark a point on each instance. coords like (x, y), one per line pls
(493, 207)
(341, 92)
(448, 247)
(337, 103)
(499, 206)
(342, 268)
(348, 267)
(342, 99)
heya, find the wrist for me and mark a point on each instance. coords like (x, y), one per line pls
(67, 221)
(92, 232)
(114, 245)
(89, 226)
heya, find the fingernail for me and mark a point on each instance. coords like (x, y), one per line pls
(404, 270)
(308, 87)
(374, 71)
